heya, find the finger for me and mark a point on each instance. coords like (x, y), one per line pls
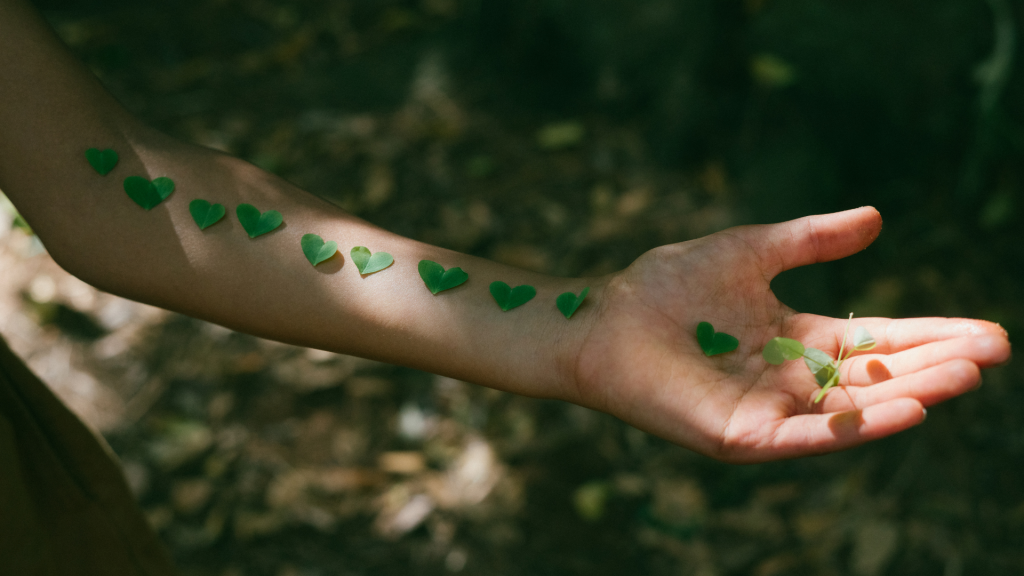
(867, 369)
(811, 239)
(891, 335)
(809, 434)
(929, 386)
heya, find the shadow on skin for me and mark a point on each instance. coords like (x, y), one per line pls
(877, 371)
(846, 424)
(332, 265)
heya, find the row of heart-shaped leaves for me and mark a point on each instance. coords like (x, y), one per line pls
(150, 193)
(438, 279)
(254, 222)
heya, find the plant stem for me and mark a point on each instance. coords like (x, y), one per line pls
(845, 334)
(834, 381)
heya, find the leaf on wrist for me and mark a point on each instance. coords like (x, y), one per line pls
(508, 297)
(714, 343)
(438, 279)
(368, 263)
(102, 161)
(569, 302)
(256, 223)
(148, 194)
(205, 214)
(316, 250)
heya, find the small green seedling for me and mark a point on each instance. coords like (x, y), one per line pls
(256, 223)
(508, 297)
(148, 194)
(205, 214)
(438, 279)
(368, 263)
(316, 250)
(714, 343)
(102, 161)
(824, 368)
(568, 302)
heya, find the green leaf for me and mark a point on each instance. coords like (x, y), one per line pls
(568, 302)
(316, 250)
(102, 161)
(828, 385)
(256, 223)
(561, 135)
(205, 214)
(438, 279)
(862, 339)
(778, 350)
(146, 193)
(508, 297)
(820, 364)
(791, 349)
(367, 263)
(590, 500)
(714, 343)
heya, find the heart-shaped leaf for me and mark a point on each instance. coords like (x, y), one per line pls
(148, 194)
(204, 213)
(438, 279)
(102, 161)
(568, 302)
(316, 250)
(367, 263)
(508, 297)
(712, 342)
(255, 223)
(778, 350)
(862, 339)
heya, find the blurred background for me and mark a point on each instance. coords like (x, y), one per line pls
(566, 136)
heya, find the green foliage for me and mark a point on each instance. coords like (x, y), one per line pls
(862, 339)
(205, 214)
(508, 297)
(824, 368)
(256, 223)
(713, 343)
(316, 250)
(561, 135)
(368, 263)
(569, 302)
(146, 193)
(102, 161)
(438, 279)
(778, 350)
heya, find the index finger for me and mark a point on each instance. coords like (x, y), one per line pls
(891, 335)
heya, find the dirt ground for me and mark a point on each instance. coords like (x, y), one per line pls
(564, 137)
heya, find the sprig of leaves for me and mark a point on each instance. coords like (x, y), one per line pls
(821, 365)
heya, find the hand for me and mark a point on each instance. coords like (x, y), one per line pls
(641, 361)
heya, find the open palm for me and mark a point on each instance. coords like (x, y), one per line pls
(641, 360)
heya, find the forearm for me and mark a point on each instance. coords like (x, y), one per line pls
(51, 111)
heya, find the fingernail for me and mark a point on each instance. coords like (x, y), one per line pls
(924, 415)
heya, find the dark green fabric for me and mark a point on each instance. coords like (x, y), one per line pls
(65, 508)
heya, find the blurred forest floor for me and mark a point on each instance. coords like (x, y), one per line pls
(566, 137)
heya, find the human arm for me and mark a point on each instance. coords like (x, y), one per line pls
(52, 110)
(630, 351)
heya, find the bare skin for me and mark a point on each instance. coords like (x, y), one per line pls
(629, 351)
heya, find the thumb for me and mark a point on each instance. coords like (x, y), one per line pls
(812, 239)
